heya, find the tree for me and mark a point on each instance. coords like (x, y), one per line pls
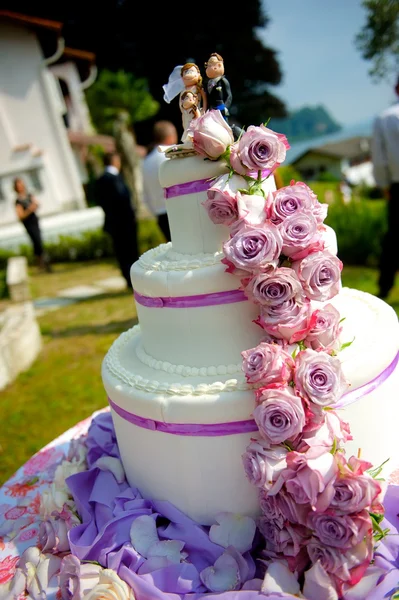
(378, 40)
(114, 92)
(149, 40)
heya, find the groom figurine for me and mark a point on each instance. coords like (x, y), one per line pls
(217, 88)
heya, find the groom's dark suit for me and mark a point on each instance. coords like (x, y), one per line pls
(113, 195)
(219, 95)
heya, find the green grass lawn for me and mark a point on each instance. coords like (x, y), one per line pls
(64, 385)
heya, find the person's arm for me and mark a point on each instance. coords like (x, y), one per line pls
(23, 213)
(379, 156)
(204, 100)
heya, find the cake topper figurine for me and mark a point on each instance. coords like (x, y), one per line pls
(189, 107)
(217, 88)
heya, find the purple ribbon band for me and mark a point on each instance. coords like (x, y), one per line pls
(190, 429)
(200, 185)
(191, 187)
(367, 388)
(214, 299)
(236, 427)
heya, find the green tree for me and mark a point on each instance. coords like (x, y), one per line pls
(378, 40)
(118, 91)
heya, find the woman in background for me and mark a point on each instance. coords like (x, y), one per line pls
(26, 206)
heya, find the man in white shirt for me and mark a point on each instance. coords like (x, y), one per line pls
(165, 134)
(385, 158)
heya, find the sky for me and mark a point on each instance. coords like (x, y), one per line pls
(314, 41)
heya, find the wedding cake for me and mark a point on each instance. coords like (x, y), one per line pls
(252, 412)
(181, 404)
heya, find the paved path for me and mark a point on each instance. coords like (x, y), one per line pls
(78, 293)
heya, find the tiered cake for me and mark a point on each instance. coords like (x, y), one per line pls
(181, 405)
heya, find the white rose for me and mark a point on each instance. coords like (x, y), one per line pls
(110, 587)
(65, 470)
(53, 499)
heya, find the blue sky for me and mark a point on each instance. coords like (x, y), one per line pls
(314, 40)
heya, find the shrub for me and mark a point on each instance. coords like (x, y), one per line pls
(359, 226)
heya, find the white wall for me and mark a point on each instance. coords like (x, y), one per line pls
(33, 138)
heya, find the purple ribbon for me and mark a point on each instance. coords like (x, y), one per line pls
(200, 185)
(191, 187)
(203, 430)
(214, 299)
(367, 388)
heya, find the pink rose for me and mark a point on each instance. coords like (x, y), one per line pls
(338, 563)
(301, 235)
(254, 248)
(53, 536)
(262, 464)
(320, 275)
(295, 198)
(221, 206)
(319, 377)
(259, 148)
(288, 539)
(291, 320)
(211, 134)
(332, 432)
(354, 489)
(252, 209)
(280, 415)
(268, 364)
(76, 578)
(309, 478)
(282, 507)
(326, 330)
(273, 289)
(340, 531)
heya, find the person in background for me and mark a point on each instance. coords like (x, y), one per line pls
(164, 134)
(113, 195)
(385, 159)
(26, 206)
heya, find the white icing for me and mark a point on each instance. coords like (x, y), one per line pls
(164, 258)
(113, 363)
(184, 370)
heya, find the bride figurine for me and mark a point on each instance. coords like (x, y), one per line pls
(189, 108)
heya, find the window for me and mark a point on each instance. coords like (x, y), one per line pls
(2, 196)
(34, 180)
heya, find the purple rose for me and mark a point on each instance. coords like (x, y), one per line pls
(269, 364)
(320, 275)
(296, 198)
(319, 377)
(258, 149)
(340, 531)
(254, 248)
(263, 464)
(301, 235)
(289, 321)
(280, 415)
(288, 539)
(211, 134)
(326, 330)
(53, 536)
(354, 493)
(274, 289)
(221, 205)
(76, 578)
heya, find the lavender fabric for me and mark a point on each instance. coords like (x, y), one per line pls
(190, 429)
(193, 187)
(107, 510)
(197, 301)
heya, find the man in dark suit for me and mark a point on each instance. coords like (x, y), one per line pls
(217, 87)
(113, 195)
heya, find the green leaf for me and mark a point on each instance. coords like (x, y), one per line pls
(347, 344)
(267, 122)
(334, 447)
(374, 472)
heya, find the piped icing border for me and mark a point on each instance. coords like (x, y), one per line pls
(114, 366)
(164, 258)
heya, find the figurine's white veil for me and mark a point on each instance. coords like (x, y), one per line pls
(174, 86)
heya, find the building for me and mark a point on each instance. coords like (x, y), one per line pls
(345, 154)
(44, 120)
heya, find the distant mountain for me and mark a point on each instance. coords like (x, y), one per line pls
(305, 123)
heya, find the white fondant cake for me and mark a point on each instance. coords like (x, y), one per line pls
(181, 367)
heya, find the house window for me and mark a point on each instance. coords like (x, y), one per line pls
(34, 180)
(2, 196)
